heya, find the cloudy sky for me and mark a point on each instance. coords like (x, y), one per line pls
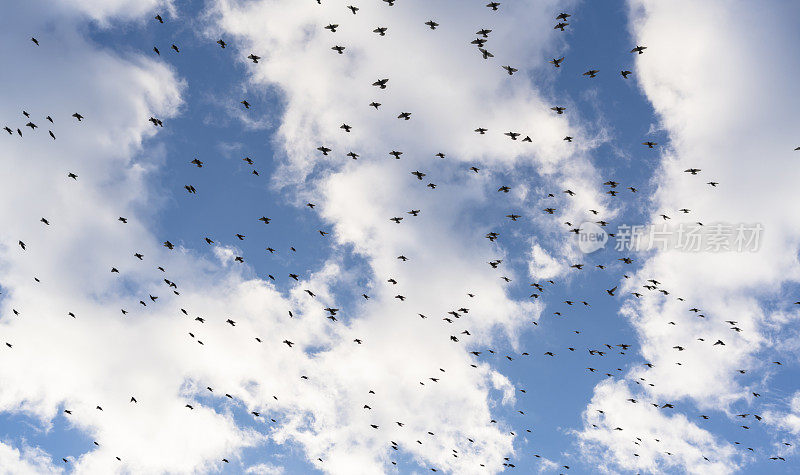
(216, 256)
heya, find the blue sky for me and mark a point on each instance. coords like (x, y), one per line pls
(134, 169)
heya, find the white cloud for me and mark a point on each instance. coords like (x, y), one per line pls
(28, 461)
(719, 126)
(102, 358)
(649, 439)
(105, 11)
(56, 361)
(788, 420)
(265, 469)
(226, 254)
(448, 258)
(543, 265)
(546, 465)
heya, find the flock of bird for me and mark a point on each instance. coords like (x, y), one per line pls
(458, 316)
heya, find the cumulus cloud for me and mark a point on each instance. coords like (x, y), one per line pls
(646, 438)
(719, 126)
(57, 361)
(457, 93)
(216, 326)
(29, 460)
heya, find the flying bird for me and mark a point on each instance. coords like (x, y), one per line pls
(510, 70)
